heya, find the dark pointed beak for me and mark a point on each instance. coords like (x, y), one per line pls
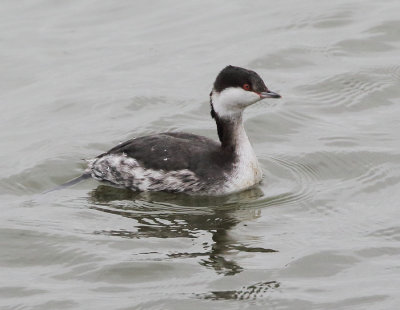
(269, 94)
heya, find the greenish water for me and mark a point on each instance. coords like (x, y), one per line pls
(322, 230)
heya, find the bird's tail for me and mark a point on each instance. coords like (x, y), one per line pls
(69, 183)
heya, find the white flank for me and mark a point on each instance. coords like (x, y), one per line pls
(127, 172)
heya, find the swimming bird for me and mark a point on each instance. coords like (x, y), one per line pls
(184, 162)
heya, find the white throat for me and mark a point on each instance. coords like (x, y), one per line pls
(244, 149)
(247, 171)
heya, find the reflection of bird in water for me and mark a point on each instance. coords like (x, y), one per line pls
(184, 216)
(253, 291)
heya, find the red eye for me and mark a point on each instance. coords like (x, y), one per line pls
(246, 86)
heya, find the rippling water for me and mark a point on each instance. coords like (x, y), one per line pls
(321, 232)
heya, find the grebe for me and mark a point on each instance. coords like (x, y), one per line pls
(184, 162)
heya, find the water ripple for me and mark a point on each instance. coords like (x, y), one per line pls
(353, 91)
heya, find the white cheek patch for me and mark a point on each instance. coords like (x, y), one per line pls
(232, 100)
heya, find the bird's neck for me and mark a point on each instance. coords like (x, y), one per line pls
(234, 141)
(231, 132)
